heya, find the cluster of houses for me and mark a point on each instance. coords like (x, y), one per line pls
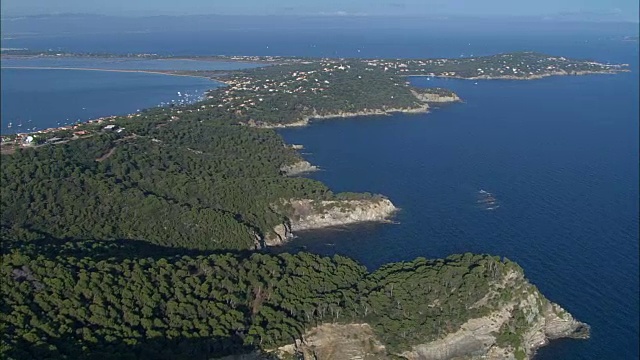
(267, 58)
(506, 64)
(244, 92)
(30, 139)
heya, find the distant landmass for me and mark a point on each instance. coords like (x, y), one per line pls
(67, 24)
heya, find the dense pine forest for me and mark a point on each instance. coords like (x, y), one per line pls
(90, 300)
(139, 240)
(191, 184)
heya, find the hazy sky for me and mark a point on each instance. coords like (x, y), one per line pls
(612, 9)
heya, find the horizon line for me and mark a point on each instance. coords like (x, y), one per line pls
(442, 16)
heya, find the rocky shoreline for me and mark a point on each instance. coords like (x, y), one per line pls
(429, 97)
(533, 77)
(306, 214)
(475, 339)
(298, 168)
(422, 109)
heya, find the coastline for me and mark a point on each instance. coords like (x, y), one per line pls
(306, 120)
(524, 78)
(157, 72)
(107, 117)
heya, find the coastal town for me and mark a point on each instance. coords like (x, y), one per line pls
(289, 91)
(520, 65)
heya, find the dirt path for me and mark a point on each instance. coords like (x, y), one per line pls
(107, 155)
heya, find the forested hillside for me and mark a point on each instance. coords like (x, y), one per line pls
(191, 184)
(92, 300)
(134, 240)
(192, 176)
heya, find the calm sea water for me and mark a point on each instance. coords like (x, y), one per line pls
(123, 63)
(44, 98)
(560, 155)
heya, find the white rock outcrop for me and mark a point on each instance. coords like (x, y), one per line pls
(315, 214)
(437, 98)
(281, 234)
(475, 339)
(336, 342)
(300, 167)
(304, 121)
(306, 214)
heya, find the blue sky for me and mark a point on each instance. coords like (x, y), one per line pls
(610, 9)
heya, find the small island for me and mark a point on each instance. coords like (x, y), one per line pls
(144, 235)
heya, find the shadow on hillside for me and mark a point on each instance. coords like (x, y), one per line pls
(156, 348)
(118, 249)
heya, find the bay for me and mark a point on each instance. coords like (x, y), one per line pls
(66, 90)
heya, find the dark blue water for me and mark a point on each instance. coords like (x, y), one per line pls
(381, 41)
(560, 155)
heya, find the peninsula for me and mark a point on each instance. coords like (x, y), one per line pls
(292, 91)
(140, 235)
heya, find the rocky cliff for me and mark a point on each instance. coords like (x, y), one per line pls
(305, 214)
(437, 96)
(336, 342)
(300, 167)
(314, 214)
(520, 321)
(280, 235)
(523, 321)
(304, 121)
(421, 108)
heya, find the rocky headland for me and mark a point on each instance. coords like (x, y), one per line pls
(298, 168)
(436, 95)
(513, 329)
(306, 214)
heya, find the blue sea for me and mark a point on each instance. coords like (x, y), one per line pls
(559, 155)
(35, 99)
